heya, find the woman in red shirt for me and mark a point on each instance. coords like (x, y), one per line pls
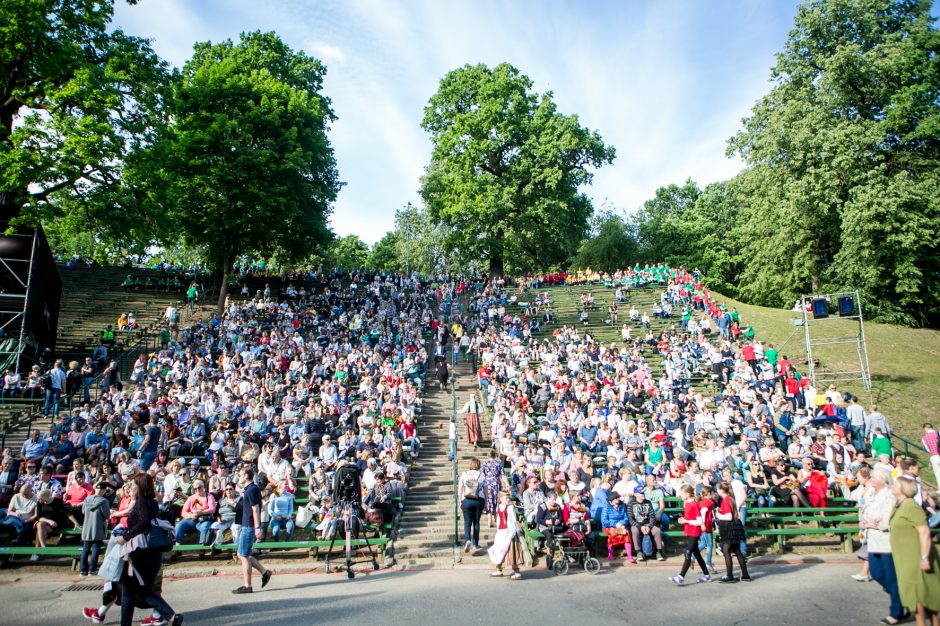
(692, 521)
(732, 534)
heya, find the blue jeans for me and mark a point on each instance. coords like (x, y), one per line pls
(881, 567)
(187, 525)
(147, 459)
(706, 545)
(277, 525)
(52, 402)
(742, 513)
(472, 510)
(94, 548)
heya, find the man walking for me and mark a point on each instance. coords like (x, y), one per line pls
(250, 531)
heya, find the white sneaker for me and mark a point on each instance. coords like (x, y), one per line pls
(34, 558)
(705, 579)
(676, 580)
(467, 546)
(860, 578)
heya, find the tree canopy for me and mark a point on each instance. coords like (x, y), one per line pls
(246, 167)
(506, 169)
(76, 100)
(843, 168)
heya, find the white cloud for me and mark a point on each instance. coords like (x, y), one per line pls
(326, 52)
(666, 83)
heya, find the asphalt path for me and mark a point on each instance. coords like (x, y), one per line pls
(800, 593)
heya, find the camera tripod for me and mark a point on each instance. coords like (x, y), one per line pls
(351, 525)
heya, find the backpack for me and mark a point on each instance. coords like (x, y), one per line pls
(472, 486)
(646, 545)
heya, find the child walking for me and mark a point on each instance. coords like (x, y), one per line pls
(692, 522)
(707, 542)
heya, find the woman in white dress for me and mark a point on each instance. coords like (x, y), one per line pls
(506, 549)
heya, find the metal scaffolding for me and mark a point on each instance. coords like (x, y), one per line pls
(16, 275)
(851, 329)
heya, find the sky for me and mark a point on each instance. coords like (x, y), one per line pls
(666, 82)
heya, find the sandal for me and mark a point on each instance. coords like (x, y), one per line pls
(890, 620)
(498, 573)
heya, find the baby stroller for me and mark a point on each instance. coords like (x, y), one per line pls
(573, 549)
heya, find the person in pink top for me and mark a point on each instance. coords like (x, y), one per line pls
(932, 442)
(198, 514)
(74, 495)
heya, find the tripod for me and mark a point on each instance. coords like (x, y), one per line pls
(351, 524)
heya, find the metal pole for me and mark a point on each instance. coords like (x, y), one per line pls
(29, 280)
(453, 417)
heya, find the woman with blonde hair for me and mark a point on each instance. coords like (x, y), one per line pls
(917, 565)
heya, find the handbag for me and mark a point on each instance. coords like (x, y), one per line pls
(158, 539)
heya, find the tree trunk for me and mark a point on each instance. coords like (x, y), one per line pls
(226, 267)
(496, 265)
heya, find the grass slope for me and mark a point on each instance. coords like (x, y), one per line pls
(904, 362)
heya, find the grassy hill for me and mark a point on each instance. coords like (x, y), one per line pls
(904, 362)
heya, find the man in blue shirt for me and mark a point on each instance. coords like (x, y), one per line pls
(34, 448)
(95, 441)
(54, 387)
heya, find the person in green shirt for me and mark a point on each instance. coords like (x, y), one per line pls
(771, 354)
(880, 444)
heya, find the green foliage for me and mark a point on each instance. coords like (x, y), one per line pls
(384, 254)
(611, 246)
(843, 159)
(349, 252)
(844, 154)
(75, 101)
(246, 168)
(661, 224)
(506, 169)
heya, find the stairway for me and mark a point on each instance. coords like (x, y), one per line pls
(425, 534)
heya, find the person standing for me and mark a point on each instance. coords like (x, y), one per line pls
(54, 382)
(492, 477)
(139, 576)
(150, 443)
(875, 519)
(251, 531)
(474, 432)
(917, 564)
(692, 522)
(96, 511)
(471, 504)
(932, 442)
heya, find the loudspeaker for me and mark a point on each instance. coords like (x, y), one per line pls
(820, 308)
(846, 306)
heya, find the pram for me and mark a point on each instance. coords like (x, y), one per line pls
(569, 548)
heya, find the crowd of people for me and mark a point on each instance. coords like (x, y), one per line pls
(608, 430)
(285, 389)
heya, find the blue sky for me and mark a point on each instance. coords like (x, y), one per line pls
(666, 82)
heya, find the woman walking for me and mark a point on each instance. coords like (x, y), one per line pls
(472, 409)
(492, 471)
(875, 519)
(732, 534)
(142, 565)
(917, 565)
(471, 504)
(506, 548)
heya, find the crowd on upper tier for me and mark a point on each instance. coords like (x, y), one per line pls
(295, 386)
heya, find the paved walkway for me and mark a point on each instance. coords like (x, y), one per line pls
(798, 594)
